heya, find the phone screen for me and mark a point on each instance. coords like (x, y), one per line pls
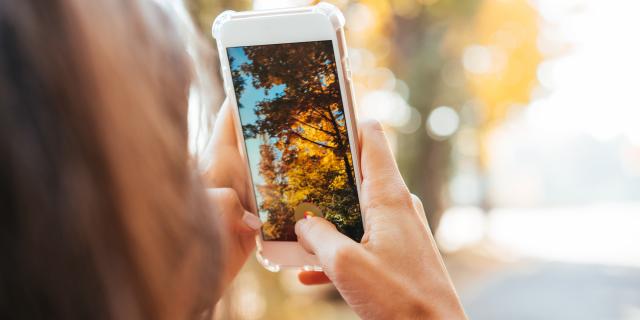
(296, 136)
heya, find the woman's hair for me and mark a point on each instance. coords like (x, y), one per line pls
(101, 214)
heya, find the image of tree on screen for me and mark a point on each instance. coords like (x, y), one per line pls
(292, 115)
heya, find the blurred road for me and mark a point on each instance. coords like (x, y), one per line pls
(546, 290)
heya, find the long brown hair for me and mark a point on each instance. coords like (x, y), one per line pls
(101, 214)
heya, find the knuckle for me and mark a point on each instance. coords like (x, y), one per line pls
(403, 199)
(393, 197)
(345, 259)
(345, 255)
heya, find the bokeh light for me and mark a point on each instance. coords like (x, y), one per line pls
(442, 122)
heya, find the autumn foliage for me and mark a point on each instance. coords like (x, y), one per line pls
(304, 145)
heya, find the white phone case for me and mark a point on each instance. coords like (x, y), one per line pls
(290, 255)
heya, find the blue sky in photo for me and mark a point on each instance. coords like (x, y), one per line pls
(249, 99)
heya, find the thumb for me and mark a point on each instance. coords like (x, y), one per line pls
(318, 236)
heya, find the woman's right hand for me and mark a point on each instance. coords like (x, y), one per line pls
(396, 272)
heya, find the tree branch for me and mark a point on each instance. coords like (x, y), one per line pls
(320, 114)
(313, 127)
(314, 142)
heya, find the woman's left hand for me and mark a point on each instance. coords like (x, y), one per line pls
(230, 195)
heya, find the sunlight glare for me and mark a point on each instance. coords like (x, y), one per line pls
(387, 107)
(593, 88)
(443, 122)
(460, 227)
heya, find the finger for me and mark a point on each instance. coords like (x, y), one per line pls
(224, 130)
(227, 169)
(382, 183)
(228, 205)
(313, 277)
(417, 204)
(318, 236)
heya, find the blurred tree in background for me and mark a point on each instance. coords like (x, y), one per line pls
(425, 58)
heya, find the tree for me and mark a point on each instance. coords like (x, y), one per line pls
(279, 224)
(312, 99)
(307, 125)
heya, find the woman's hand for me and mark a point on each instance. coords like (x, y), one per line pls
(230, 196)
(396, 271)
(228, 168)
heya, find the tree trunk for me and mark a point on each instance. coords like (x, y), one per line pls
(343, 153)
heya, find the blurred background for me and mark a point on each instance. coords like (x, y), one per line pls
(517, 123)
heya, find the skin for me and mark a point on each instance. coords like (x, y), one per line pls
(396, 272)
(230, 195)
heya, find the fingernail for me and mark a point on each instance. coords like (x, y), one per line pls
(251, 220)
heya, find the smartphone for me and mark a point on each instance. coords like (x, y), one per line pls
(287, 74)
